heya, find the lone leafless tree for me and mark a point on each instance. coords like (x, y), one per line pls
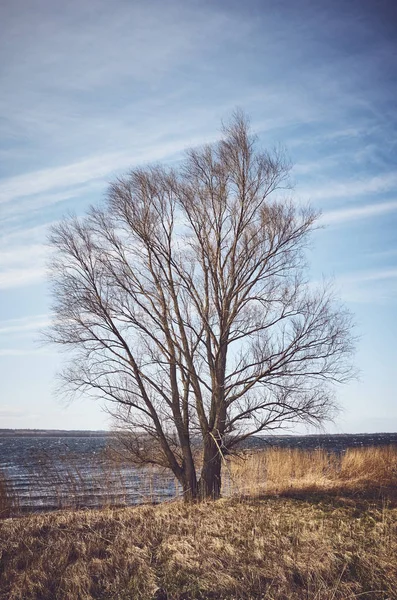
(184, 304)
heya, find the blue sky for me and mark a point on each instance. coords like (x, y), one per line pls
(89, 89)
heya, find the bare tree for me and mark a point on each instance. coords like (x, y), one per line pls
(184, 304)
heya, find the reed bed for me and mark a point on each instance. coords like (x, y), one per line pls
(275, 471)
(284, 471)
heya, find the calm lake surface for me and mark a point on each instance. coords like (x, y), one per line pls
(50, 471)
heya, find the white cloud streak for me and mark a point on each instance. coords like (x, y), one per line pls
(368, 287)
(368, 276)
(367, 211)
(7, 411)
(22, 264)
(352, 188)
(21, 277)
(86, 171)
(21, 352)
(31, 184)
(24, 324)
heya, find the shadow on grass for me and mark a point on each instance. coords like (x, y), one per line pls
(339, 496)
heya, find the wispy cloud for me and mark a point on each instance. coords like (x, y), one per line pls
(21, 351)
(352, 188)
(13, 211)
(31, 184)
(86, 171)
(24, 324)
(20, 277)
(14, 414)
(22, 264)
(10, 411)
(19, 337)
(368, 287)
(23, 256)
(384, 254)
(360, 212)
(368, 276)
(88, 76)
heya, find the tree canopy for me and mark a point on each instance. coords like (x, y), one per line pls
(185, 305)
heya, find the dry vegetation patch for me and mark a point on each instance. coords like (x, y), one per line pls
(368, 471)
(274, 548)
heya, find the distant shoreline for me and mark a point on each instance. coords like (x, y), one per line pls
(53, 433)
(101, 433)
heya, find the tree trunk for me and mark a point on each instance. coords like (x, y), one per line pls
(209, 486)
(189, 483)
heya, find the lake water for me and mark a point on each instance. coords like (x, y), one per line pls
(47, 472)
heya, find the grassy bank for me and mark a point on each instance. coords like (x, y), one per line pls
(273, 548)
(329, 536)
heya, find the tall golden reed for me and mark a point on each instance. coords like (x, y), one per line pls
(278, 471)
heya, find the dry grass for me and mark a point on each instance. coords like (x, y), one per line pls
(368, 471)
(324, 544)
(274, 549)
